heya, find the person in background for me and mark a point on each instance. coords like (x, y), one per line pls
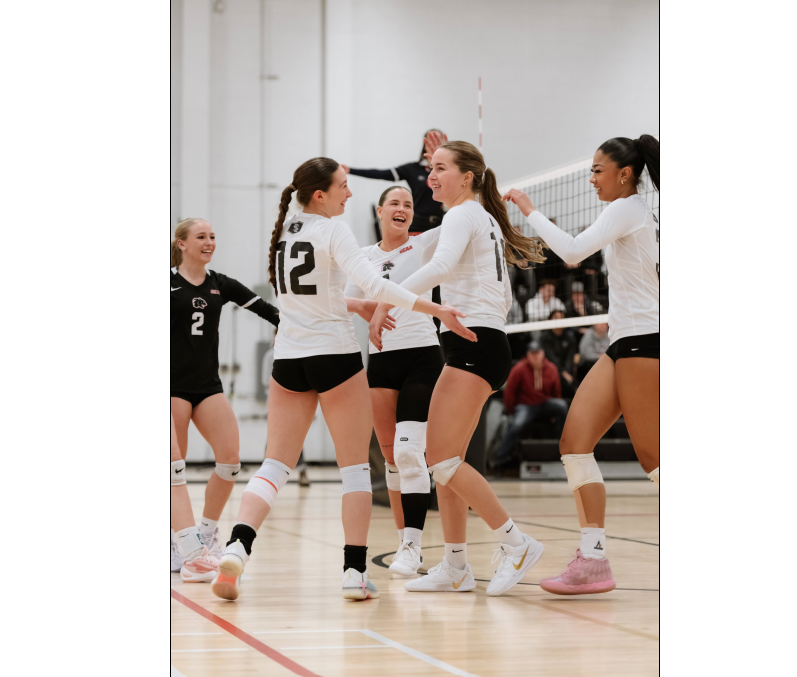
(594, 343)
(533, 389)
(544, 302)
(428, 212)
(581, 305)
(560, 345)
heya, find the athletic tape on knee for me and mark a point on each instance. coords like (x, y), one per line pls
(178, 473)
(581, 469)
(392, 477)
(356, 478)
(228, 471)
(654, 476)
(268, 480)
(444, 471)
(408, 451)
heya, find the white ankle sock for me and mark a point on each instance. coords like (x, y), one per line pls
(457, 555)
(189, 542)
(207, 525)
(593, 543)
(401, 535)
(414, 535)
(509, 534)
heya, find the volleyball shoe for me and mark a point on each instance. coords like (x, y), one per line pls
(202, 569)
(513, 563)
(177, 558)
(443, 578)
(212, 539)
(583, 576)
(407, 560)
(227, 583)
(357, 585)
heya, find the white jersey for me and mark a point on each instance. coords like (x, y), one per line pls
(413, 330)
(629, 231)
(470, 268)
(314, 256)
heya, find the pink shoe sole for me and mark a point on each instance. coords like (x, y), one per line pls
(559, 588)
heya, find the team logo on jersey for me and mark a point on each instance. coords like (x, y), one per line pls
(406, 249)
(199, 302)
(295, 227)
(388, 266)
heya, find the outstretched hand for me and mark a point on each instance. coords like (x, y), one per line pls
(522, 200)
(432, 141)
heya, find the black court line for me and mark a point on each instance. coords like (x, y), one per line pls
(573, 531)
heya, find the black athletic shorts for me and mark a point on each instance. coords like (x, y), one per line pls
(196, 398)
(317, 372)
(490, 357)
(398, 368)
(646, 345)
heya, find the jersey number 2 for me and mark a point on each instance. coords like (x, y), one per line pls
(303, 269)
(199, 320)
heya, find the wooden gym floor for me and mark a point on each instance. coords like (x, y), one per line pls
(291, 619)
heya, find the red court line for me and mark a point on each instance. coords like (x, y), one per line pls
(256, 644)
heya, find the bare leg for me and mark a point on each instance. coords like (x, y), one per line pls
(638, 389)
(181, 415)
(595, 408)
(182, 516)
(384, 403)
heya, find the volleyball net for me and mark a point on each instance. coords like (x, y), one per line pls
(580, 292)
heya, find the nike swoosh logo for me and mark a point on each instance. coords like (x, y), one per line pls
(456, 551)
(468, 365)
(392, 472)
(456, 585)
(517, 566)
(178, 471)
(236, 472)
(510, 528)
(175, 288)
(634, 349)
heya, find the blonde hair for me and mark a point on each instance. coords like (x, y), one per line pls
(181, 233)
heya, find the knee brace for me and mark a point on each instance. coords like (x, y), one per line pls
(444, 471)
(356, 478)
(392, 477)
(581, 469)
(408, 450)
(268, 480)
(178, 473)
(228, 471)
(654, 476)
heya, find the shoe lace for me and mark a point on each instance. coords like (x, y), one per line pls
(500, 555)
(571, 566)
(213, 541)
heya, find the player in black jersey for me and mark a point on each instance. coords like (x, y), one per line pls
(197, 296)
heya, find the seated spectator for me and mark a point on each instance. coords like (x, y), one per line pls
(560, 347)
(593, 344)
(544, 303)
(580, 305)
(532, 389)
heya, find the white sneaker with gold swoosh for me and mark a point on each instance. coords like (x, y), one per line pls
(443, 578)
(514, 563)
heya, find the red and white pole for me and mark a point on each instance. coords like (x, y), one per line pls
(480, 113)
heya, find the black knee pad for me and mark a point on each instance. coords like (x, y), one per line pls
(413, 402)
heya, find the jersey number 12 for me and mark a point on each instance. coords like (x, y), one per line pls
(303, 269)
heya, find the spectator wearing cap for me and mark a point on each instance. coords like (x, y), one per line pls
(560, 346)
(532, 389)
(580, 305)
(544, 302)
(594, 343)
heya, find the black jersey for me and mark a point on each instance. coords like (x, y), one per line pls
(195, 314)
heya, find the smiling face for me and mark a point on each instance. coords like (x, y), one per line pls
(396, 213)
(607, 178)
(332, 202)
(449, 185)
(199, 244)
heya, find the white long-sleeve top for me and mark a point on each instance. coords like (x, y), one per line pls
(469, 266)
(629, 231)
(314, 257)
(413, 330)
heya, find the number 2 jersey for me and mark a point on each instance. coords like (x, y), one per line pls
(470, 268)
(314, 257)
(195, 314)
(413, 330)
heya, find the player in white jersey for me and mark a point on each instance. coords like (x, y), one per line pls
(617, 384)
(402, 377)
(469, 264)
(317, 360)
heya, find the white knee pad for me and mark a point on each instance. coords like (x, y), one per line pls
(268, 480)
(392, 477)
(178, 473)
(356, 478)
(444, 471)
(654, 476)
(581, 469)
(408, 450)
(228, 471)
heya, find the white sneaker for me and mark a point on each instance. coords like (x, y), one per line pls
(443, 578)
(200, 569)
(407, 560)
(177, 557)
(514, 563)
(357, 585)
(227, 583)
(212, 539)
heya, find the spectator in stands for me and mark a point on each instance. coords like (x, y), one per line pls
(594, 343)
(545, 302)
(560, 347)
(532, 389)
(580, 305)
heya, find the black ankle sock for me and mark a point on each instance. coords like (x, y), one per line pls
(245, 534)
(415, 507)
(354, 557)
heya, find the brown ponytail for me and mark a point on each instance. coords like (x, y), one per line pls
(517, 247)
(181, 233)
(313, 175)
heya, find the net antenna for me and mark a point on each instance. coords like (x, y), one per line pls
(564, 195)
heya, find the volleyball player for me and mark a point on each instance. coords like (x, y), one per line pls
(197, 297)
(402, 376)
(625, 380)
(469, 264)
(317, 360)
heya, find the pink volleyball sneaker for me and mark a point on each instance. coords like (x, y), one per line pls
(582, 577)
(202, 569)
